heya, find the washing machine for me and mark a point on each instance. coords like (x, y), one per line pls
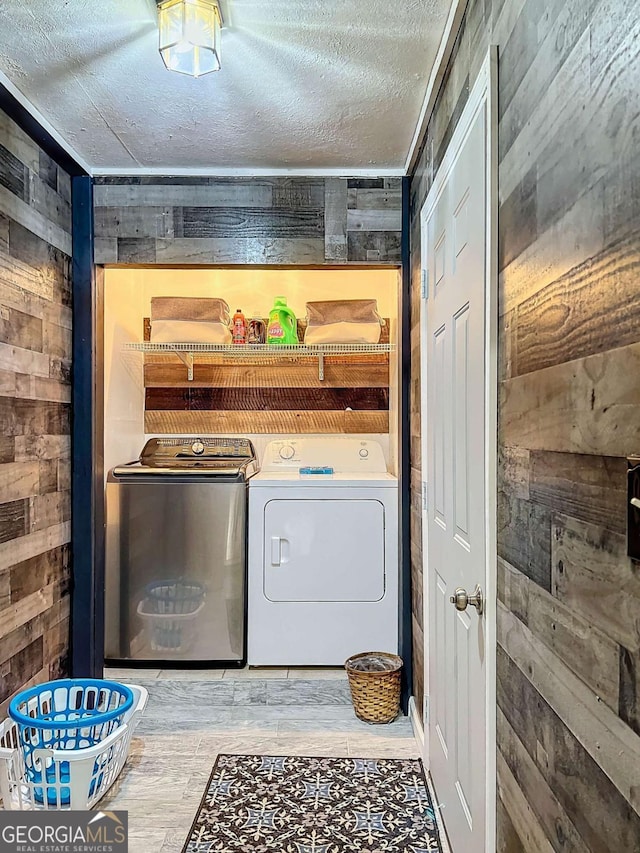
(323, 553)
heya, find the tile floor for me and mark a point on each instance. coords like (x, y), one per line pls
(260, 673)
(193, 715)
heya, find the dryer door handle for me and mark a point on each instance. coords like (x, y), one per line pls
(279, 550)
(276, 550)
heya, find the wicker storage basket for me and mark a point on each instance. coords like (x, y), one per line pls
(375, 693)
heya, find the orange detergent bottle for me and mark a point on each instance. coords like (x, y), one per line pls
(239, 333)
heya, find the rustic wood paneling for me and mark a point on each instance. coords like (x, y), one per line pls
(247, 221)
(19, 480)
(266, 399)
(588, 488)
(524, 819)
(254, 193)
(251, 223)
(376, 199)
(546, 51)
(374, 246)
(223, 250)
(30, 219)
(136, 250)
(21, 667)
(543, 811)
(166, 375)
(7, 449)
(569, 238)
(20, 329)
(50, 261)
(16, 140)
(53, 508)
(587, 651)
(267, 422)
(134, 222)
(592, 575)
(14, 174)
(335, 219)
(521, 211)
(514, 472)
(592, 309)
(34, 574)
(590, 405)
(47, 201)
(368, 219)
(33, 447)
(524, 537)
(14, 519)
(569, 761)
(35, 339)
(508, 840)
(34, 417)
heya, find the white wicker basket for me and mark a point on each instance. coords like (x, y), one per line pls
(74, 778)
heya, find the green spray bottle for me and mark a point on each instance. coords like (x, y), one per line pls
(282, 327)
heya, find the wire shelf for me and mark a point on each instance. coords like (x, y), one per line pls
(243, 351)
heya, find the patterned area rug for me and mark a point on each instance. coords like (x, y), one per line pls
(267, 804)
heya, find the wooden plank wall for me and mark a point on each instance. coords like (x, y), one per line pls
(294, 221)
(569, 411)
(35, 377)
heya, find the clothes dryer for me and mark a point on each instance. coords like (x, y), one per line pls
(323, 553)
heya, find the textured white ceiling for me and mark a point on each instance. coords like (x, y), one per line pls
(305, 84)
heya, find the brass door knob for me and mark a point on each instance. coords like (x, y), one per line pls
(461, 599)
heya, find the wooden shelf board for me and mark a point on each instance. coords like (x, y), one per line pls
(168, 374)
(284, 422)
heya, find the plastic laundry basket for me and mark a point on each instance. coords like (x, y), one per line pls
(374, 680)
(72, 778)
(69, 714)
(168, 611)
(176, 597)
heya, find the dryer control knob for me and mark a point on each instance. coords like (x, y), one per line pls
(197, 447)
(287, 452)
(364, 453)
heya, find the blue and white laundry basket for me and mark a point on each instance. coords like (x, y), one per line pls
(69, 715)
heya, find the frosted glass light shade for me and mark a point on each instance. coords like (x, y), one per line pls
(190, 36)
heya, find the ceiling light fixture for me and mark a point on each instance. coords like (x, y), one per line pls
(190, 35)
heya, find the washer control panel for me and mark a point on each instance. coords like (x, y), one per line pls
(344, 455)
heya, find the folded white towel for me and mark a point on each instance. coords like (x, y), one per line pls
(189, 332)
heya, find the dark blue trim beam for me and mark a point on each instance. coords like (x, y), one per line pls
(87, 504)
(406, 629)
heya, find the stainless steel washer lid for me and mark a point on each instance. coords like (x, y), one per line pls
(193, 456)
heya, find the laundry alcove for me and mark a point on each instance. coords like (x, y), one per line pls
(148, 390)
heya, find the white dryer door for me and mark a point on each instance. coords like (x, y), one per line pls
(324, 550)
